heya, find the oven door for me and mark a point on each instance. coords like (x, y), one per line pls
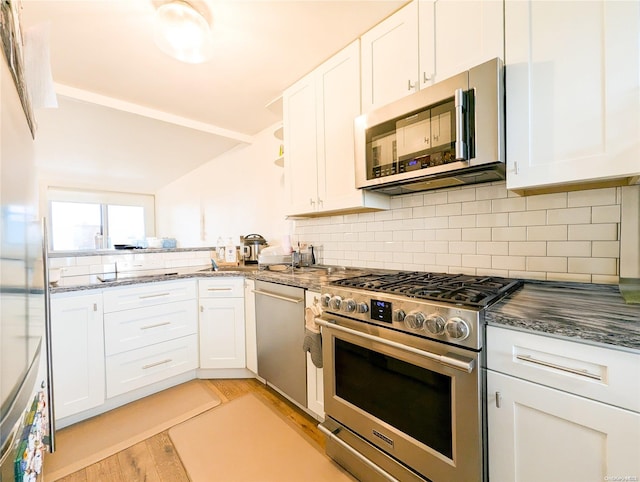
(416, 400)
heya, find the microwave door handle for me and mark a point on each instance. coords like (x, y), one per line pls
(466, 366)
(461, 145)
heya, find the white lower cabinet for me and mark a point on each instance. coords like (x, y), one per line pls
(560, 410)
(222, 331)
(540, 433)
(138, 368)
(150, 334)
(315, 383)
(77, 353)
(250, 342)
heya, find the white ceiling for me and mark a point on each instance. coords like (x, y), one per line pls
(132, 118)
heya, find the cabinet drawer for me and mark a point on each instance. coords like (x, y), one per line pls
(128, 297)
(131, 329)
(138, 368)
(607, 375)
(221, 288)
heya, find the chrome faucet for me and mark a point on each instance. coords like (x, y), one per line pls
(214, 265)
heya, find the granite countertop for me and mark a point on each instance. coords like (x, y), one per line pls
(586, 313)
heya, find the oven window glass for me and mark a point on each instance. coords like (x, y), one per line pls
(414, 400)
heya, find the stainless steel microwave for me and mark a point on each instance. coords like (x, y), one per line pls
(448, 134)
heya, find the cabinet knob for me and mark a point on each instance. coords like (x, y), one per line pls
(95, 307)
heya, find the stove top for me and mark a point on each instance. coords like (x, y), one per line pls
(476, 291)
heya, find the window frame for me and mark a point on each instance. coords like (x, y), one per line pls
(104, 199)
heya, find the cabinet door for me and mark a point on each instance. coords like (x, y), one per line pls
(222, 333)
(300, 150)
(315, 380)
(250, 325)
(338, 104)
(539, 433)
(390, 58)
(77, 353)
(572, 78)
(476, 26)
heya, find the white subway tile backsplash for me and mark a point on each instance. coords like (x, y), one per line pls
(547, 201)
(88, 260)
(593, 197)
(604, 249)
(569, 216)
(508, 205)
(569, 248)
(527, 248)
(528, 218)
(547, 233)
(508, 262)
(493, 248)
(454, 209)
(606, 266)
(476, 260)
(492, 220)
(509, 234)
(468, 221)
(482, 229)
(547, 263)
(476, 207)
(476, 234)
(593, 232)
(605, 214)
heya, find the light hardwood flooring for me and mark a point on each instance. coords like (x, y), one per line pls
(155, 458)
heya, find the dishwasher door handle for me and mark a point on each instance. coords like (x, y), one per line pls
(279, 297)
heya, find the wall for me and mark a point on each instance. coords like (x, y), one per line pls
(238, 193)
(480, 229)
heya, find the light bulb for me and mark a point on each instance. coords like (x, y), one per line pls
(183, 33)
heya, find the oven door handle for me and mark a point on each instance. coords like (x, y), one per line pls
(356, 454)
(466, 366)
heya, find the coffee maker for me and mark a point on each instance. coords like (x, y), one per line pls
(251, 246)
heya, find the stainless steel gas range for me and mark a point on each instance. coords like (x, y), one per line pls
(403, 379)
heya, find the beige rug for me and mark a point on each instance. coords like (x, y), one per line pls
(245, 441)
(90, 441)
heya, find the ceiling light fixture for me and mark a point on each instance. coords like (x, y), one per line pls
(183, 30)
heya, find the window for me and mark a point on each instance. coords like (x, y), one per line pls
(81, 220)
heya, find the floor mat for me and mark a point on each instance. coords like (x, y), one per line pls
(245, 441)
(90, 441)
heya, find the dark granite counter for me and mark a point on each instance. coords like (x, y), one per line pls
(587, 313)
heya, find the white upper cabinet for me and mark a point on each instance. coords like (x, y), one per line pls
(319, 112)
(456, 35)
(573, 97)
(425, 42)
(390, 58)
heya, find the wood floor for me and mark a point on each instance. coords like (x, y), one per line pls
(155, 458)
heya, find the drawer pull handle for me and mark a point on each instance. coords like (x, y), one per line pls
(162, 362)
(157, 295)
(219, 289)
(498, 399)
(575, 371)
(148, 327)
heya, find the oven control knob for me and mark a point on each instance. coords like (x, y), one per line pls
(457, 328)
(324, 300)
(348, 305)
(414, 320)
(435, 324)
(335, 302)
(362, 307)
(398, 315)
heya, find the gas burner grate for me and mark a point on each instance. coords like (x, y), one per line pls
(478, 291)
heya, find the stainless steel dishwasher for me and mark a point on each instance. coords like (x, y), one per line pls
(280, 335)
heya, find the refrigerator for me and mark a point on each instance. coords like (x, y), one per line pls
(26, 416)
